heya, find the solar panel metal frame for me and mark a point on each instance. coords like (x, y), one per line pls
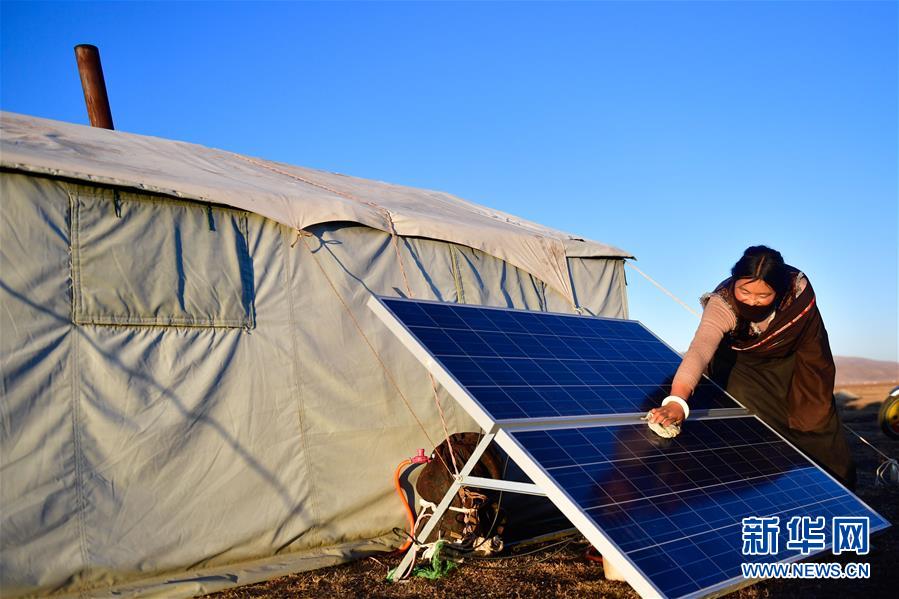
(499, 431)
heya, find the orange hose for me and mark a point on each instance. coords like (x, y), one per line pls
(399, 491)
(593, 555)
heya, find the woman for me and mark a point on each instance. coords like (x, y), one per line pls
(762, 338)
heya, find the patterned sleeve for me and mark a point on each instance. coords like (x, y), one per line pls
(717, 319)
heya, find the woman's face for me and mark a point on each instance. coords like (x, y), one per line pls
(753, 292)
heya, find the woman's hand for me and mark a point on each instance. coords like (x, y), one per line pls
(672, 413)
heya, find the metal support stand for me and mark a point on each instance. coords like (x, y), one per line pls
(463, 479)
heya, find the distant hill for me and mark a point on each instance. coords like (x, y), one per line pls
(856, 371)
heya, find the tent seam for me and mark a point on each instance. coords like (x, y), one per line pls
(75, 254)
(79, 465)
(574, 300)
(295, 367)
(457, 279)
(243, 222)
(75, 395)
(540, 290)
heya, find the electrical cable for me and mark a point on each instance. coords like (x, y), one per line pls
(564, 544)
(399, 491)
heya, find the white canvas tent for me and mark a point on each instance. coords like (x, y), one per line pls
(194, 394)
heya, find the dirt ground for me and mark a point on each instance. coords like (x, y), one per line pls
(562, 570)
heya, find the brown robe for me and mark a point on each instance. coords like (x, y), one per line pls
(785, 375)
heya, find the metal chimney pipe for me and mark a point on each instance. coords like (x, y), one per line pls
(94, 86)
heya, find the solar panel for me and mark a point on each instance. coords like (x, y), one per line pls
(562, 396)
(674, 507)
(519, 364)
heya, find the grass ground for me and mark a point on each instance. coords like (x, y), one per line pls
(563, 571)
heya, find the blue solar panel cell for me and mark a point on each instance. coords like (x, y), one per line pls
(675, 506)
(519, 364)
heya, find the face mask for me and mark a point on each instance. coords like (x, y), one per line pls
(755, 313)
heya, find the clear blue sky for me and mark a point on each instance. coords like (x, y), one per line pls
(682, 132)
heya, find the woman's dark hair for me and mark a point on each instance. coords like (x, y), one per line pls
(760, 262)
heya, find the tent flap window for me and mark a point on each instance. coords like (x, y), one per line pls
(148, 260)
